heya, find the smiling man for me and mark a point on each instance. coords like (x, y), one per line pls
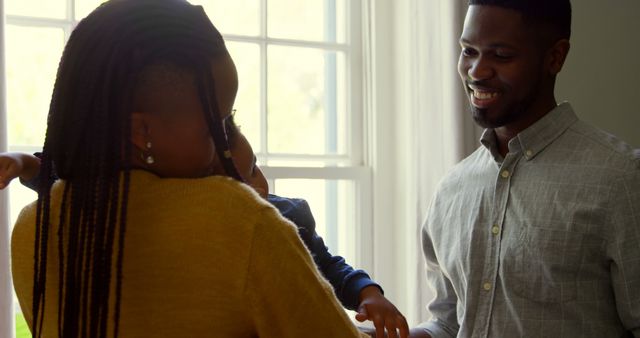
(537, 233)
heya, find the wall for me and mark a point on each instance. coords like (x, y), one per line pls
(602, 75)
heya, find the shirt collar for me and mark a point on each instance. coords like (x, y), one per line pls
(537, 137)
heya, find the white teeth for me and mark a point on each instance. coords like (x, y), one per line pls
(484, 95)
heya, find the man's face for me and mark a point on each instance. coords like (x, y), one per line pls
(501, 65)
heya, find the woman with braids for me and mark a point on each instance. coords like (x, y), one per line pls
(354, 288)
(138, 238)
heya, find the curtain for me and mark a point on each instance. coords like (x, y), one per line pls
(444, 131)
(6, 289)
(434, 129)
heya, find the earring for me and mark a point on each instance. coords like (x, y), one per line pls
(148, 158)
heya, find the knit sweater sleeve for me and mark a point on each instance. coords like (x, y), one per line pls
(285, 293)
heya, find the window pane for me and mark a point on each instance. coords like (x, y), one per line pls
(238, 17)
(56, 9)
(311, 20)
(22, 329)
(306, 111)
(332, 204)
(84, 7)
(246, 56)
(33, 54)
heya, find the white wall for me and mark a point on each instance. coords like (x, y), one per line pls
(602, 75)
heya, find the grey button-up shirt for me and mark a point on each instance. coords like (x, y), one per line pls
(542, 243)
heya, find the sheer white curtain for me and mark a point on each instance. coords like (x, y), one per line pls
(443, 131)
(419, 129)
(6, 290)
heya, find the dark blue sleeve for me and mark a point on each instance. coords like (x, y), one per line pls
(35, 182)
(346, 281)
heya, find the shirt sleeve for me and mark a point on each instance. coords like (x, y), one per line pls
(286, 295)
(35, 181)
(346, 281)
(444, 322)
(624, 250)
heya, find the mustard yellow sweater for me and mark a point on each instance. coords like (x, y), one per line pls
(202, 258)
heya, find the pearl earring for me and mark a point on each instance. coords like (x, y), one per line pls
(149, 159)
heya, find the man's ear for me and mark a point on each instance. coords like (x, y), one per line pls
(140, 130)
(557, 55)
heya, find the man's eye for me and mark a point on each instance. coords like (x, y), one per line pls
(468, 52)
(504, 56)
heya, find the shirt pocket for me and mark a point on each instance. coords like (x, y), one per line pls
(542, 265)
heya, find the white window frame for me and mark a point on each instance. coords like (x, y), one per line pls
(354, 166)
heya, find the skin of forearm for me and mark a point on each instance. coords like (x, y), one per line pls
(30, 167)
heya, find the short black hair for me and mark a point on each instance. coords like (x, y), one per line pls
(554, 13)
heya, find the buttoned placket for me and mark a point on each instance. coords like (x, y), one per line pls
(505, 174)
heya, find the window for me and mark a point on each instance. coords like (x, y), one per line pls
(300, 73)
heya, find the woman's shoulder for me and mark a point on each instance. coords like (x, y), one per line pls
(26, 219)
(220, 190)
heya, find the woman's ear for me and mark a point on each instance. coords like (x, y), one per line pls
(140, 131)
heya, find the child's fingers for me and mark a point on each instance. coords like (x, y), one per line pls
(378, 322)
(4, 182)
(392, 328)
(362, 314)
(7, 174)
(404, 327)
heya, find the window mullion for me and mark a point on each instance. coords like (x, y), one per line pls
(264, 80)
(71, 10)
(35, 22)
(332, 46)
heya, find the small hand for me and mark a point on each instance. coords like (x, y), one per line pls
(10, 168)
(14, 165)
(375, 307)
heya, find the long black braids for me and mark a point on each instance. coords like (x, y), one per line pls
(88, 145)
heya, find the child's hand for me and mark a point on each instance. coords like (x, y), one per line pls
(14, 165)
(375, 307)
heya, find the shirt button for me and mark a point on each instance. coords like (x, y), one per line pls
(486, 286)
(495, 230)
(505, 174)
(529, 153)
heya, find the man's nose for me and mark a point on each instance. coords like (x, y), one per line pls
(480, 69)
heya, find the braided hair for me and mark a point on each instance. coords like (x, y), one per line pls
(88, 145)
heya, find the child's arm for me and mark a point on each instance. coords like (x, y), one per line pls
(346, 281)
(287, 296)
(354, 288)
(12, 165)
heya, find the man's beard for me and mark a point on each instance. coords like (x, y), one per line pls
(510, 114)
